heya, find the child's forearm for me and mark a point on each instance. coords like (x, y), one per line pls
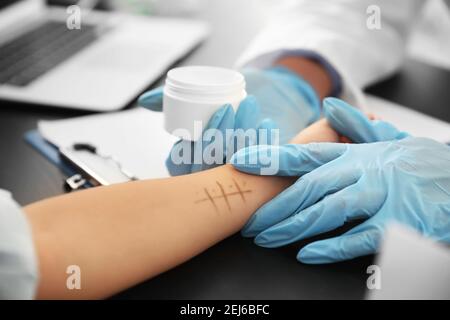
(123, 234)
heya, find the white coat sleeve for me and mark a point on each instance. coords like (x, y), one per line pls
(18, 265)
(337, 32)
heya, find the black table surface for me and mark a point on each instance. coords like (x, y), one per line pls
(234, 268)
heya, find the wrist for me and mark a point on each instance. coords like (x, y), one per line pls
(320, 131)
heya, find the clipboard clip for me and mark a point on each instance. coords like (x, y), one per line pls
(75, 182)
(87, 177)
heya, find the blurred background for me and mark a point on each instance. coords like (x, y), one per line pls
(429, 42)
(421, 86)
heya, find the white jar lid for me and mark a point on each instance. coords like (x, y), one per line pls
(192, 95)
(205, 80)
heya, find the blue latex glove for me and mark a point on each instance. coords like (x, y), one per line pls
(347, 121)
(281, 96)
(246, 117)
(406, 180)
(350, 122)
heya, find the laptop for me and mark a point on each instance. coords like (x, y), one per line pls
(101, 66)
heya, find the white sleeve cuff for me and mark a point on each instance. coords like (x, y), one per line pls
(18, 263)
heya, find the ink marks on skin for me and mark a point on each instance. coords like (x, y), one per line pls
(241, 193)
(219, 193)
(210, 198)
(224, 195)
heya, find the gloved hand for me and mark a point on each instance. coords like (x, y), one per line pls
(347, 121)
(282, 96)
(406, 180)
(247, 117)
(353, 124)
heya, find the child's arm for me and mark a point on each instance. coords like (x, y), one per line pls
(123, 234)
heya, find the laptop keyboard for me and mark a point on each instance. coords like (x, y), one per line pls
(34, 53)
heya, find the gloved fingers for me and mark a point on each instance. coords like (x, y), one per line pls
(188, 156)
(245, 123)
(354, 202)
(345, 247)
(303, 194)
(211, 150)
(180, 158)
(353, 124)
(272, 212)
(348, 120)
(384, 131)
(266, 132)
(152, 99)
(248, 114)
(286, 160)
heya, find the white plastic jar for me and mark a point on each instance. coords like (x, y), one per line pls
(192, 95)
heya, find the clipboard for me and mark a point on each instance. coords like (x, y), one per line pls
(83, 168)
(118, 147)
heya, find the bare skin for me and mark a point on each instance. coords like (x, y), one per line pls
(123, 234)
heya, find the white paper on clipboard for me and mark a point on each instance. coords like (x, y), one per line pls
(136, 138)
(411, 121)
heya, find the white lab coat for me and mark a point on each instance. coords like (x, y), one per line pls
(337, 31)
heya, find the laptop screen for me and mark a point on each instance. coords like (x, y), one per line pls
(6, 3)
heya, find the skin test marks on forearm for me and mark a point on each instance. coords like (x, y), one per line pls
(215, 194)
